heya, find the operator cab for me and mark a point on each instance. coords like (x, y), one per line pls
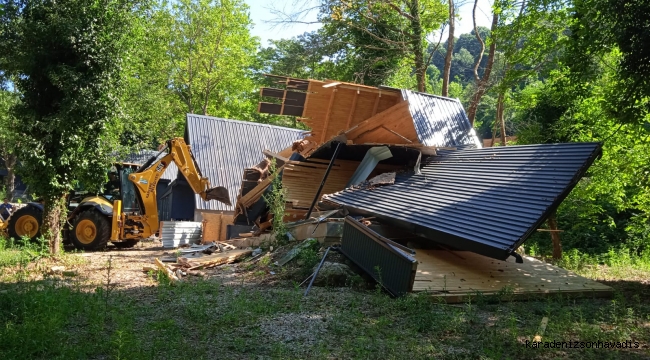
(129, 195)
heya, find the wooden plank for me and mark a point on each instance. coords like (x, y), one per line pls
(217, 259)
(170, 275)
(281, 160)
(254, 195)
(542, 329)
(397, 118)
(284, 96)
(328, 114)
(352, 108)
(374, 109)
(454, 278)
(397, 134)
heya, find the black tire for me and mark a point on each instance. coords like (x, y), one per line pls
(126, 244)
(20, 224)
(91, 230)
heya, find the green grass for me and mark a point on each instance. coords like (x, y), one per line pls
(43, 320)
(61, 319)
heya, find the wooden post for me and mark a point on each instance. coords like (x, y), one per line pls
(328, 114)
(352, 108)
(555, 236)
(374, 109)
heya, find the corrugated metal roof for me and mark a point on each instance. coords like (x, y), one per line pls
(440, 121)
(224, 148)
(142, 156)
(488, 201)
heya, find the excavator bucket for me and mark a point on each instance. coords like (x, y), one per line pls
(219, 193)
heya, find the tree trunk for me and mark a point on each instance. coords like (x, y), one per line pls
(416, 44)
(495, 125)
(450, 50)
(10, 164)
(53, 217)
(500, 117)
(555, 236)
(482, 82)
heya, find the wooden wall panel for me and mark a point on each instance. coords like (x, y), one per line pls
(391, 126)
(302, 181)
(215, 226)
(315, 114)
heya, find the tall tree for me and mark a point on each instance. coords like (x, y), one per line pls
(9, 139)
(450, 49)
(529, 37)
(597, 27)
(153, 112)
(212, 52)
(67, 58)
(481, 83)
(388, 31)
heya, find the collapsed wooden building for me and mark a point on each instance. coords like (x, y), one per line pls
(412, 163)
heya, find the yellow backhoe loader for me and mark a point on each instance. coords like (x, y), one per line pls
(127, 211)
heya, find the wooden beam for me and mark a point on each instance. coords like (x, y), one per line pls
(374, 109)
(366, 89)
(284, 99)
(352, 108)
(331, 85)
(396, 134)
(328, 114)
(170, 275)
(281, 160)
(555, 236)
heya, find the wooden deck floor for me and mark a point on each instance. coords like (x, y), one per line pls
(456, 275)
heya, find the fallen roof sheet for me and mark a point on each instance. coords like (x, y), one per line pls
(440, 121)
(488, 201)
(390, 264)
(224, 148)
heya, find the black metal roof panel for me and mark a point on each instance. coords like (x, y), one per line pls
(223, 148)
(488, 200)
(440, 121)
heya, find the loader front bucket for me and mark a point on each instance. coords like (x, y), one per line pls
(218, 193)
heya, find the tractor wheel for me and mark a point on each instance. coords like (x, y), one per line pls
(91, 230)
(27, 222)
(126, 244)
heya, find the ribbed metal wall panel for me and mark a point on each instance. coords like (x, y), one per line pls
(176, 233)
(224, 148)
(440, 121)
(488, 200)
(373, 253)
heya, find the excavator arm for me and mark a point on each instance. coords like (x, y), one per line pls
(146, 179)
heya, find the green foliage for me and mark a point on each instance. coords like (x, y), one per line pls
(610, 208)
(67, 60)
(211, 51)
(21, 252)
(377, 36)
(152, 111)
(10, 141)
(597, 27)
(276, 201)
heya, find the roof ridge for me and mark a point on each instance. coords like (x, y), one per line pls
(433, 95)
(206, 117)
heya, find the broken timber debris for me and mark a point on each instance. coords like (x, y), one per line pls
(214, 260)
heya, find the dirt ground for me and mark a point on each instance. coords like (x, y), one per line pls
(124, 267)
